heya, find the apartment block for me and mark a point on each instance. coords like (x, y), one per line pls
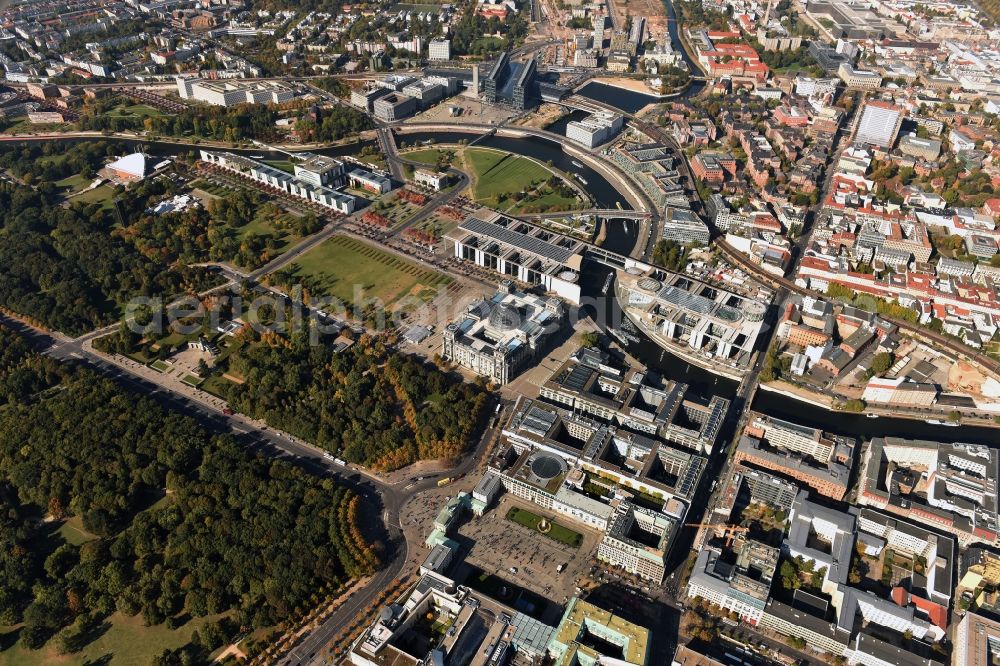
(950, 486)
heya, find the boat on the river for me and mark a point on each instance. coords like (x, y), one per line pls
(947, 424)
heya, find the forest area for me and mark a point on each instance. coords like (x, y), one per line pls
(181, 522)
(72, 267)
(367, 404)
(239, 123)
(64, 268)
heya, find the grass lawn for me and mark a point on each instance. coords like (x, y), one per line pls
(216, 385)
(103, 195)
(496, 173)
(73, 183)
(160, 365)
(556, 531)
(73, 533)
(548, 201)
(426, 155)
(377, 160)
(339, 265)
(263, 225)
(284, 165)
(126, 641)
(993, 350)
(211, 188)
(172, 339)
(126, 110)
(25, 126)
(139, 357)
(192, 380)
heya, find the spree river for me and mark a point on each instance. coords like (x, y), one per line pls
(604, 309)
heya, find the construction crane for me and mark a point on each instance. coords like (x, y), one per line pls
(728, 531)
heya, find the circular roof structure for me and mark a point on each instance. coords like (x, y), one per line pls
(568, 276)
(650, 284)
(505, 318)
(546, 467)
(755, 310)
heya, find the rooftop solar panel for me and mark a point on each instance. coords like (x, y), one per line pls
(518, 240)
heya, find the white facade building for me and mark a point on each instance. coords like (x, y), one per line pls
(439, 49)
(595, 129)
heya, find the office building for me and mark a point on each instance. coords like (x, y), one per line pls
(320, 171)
(807, 624)
(434, 180)
(952, 487)
(596, 129)
(924, 149)
(302, 185)
(869, 650)
(933, 592)
(424, 91)
(811, 442)
(521, 252)
(683, 227)
(594, 384)
(902, 391)
(510, 83)
(500, 336)
(812, 87)
(687, 655)
(981, 246)
(879, 124)
(369, 182)
(754, 486)
(678, 310)
(590, 635)
(365, 97)
(978, 568)
(229, 93)
(394, 106)
(439, 49)
(713, 167)
(977, 641)
(736, 579)
(586, 58)
(637, 540)
(823, 536)
(852, 19)
(861, 79)
(554, 452)
(482, 630)
(830, 479)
